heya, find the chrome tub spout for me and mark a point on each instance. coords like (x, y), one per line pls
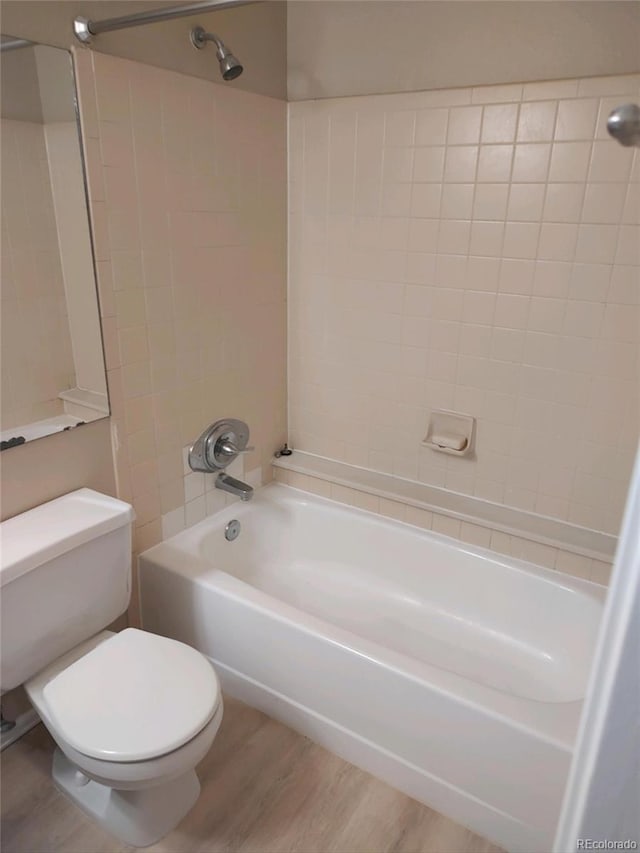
(234, 487)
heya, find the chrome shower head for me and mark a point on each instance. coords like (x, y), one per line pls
(624, 125)
(230, 66)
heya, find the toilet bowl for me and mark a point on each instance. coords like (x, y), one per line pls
(131, 713)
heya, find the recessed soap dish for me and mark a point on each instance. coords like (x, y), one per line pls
(450, 432)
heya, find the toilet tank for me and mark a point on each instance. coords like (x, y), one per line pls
(65, 574)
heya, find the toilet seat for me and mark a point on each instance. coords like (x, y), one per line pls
(133, 697)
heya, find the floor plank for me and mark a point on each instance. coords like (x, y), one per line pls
(265, 789)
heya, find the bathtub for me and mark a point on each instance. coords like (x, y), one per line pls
(452, 673)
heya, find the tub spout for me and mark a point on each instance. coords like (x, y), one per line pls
(234, 487)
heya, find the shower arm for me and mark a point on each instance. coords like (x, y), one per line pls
(85, 30)
(199, 38)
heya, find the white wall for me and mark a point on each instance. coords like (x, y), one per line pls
(351, 47)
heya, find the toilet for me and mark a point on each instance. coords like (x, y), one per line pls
(132, 713)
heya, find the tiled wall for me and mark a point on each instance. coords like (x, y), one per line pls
(36, 353)
(188, 200)
(474, 250)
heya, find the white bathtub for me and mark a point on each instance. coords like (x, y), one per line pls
(452, 673)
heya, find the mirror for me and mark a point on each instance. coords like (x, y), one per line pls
(53, 373)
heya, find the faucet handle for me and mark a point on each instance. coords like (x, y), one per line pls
(219, 445)
(229, 448)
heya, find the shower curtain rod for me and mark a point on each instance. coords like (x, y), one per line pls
(14, 44)
(85, 29)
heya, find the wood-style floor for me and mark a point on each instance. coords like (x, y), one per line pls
(265, 789)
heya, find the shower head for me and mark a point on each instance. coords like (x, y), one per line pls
(230, 67)
(624, 124)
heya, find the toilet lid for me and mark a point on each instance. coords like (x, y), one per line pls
(133, 697)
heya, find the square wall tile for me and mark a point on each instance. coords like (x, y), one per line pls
(569, 161)
(457, 201)
(494, 163)
(576, 119)
(499, 123)
(525, 202)
(536, 121)
(531, 162)
(490, 201)
(431, 127)
(464, 125)
(521, 240)
(400, 127)
(563, 202)
(428, 164)
(557, 242)
(460, 163)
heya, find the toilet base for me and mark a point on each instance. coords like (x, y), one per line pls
(139, 817)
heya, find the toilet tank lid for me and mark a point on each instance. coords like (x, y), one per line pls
(52, 529)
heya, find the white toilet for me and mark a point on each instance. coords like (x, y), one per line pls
(132, 713)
